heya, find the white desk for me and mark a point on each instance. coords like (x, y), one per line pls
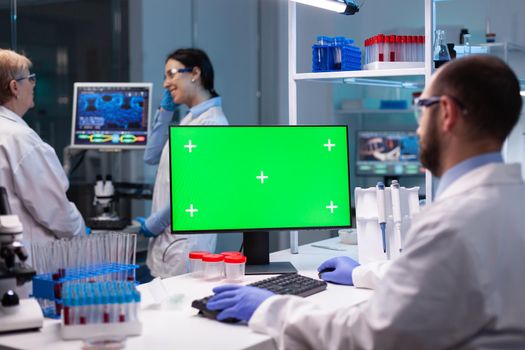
(176, 325)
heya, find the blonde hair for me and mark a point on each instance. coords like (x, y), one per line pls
(12, 65)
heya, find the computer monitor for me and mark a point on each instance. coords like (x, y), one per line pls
(111, 115)
(257, 179)
(388, 153)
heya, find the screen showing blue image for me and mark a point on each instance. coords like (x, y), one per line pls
(388, 153)
(111, 115)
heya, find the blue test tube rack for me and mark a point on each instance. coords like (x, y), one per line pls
(335, 54)
(48, 286)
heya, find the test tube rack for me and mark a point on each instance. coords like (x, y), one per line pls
(47, 287)
(100, 309)
(335, 54)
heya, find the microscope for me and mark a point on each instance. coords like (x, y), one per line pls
(104, 203)
(15, 313)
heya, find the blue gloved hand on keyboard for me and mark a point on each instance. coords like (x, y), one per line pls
(338, 270)
(236, 301)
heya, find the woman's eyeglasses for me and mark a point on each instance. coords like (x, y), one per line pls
(31, 77)
(171, 73)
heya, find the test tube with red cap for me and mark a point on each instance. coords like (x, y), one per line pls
(421, 48)
(381, 48)
(392, 48)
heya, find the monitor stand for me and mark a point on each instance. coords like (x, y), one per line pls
(257, 252)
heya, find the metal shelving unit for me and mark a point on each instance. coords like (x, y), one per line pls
(374, 111)
(350, 77)
(343, 76)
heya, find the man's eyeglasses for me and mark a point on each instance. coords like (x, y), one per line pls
(31, 77)
(420, 103)
(171, 73)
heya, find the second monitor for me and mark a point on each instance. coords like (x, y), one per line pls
(258, 178)
(111, 115)
(388, 153)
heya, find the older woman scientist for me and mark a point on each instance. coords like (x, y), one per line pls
(189, 78)
(29, 168)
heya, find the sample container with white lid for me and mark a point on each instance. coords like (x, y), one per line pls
(213, 266)
(234, 266)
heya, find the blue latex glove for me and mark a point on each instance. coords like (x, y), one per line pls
(236, 301)
(143, 229)
(167, 101)
(338, 270)
(156, 223)
(88, 230)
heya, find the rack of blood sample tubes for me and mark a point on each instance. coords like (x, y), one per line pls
(394, 48)
(94, 258)
(99, 309)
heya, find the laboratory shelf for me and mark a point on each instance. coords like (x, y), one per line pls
(411, 78)
(346, 76)
(505, 45)
(374, 111)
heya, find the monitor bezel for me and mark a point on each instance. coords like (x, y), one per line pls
(78, 85)
(240, 229)
(357, 161)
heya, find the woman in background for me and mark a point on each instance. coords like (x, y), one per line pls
(189, 78)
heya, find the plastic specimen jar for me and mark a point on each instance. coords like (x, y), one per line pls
(225, 254)
(234, 266)
(196, 264)
(213, 266)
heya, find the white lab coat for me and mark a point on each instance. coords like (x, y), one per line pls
(458, 284)
(35, 182)
(167, 253)
(369, 276)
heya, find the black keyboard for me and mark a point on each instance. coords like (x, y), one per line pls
(291, 284)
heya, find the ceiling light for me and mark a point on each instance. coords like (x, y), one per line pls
(340, 6)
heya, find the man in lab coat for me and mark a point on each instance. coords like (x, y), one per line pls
(459, 282)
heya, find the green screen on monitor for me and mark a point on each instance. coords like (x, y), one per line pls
(243, 178)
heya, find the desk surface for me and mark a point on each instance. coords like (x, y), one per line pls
(175, 323)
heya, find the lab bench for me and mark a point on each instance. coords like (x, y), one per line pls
(176, 324)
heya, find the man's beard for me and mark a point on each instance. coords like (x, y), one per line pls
(430, 150)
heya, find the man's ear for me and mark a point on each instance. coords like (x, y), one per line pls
(449, 113)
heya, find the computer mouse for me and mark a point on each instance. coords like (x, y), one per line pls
(211, 314)
(328, 269)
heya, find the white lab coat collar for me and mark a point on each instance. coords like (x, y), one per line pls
(9, 114)
(490, 174)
